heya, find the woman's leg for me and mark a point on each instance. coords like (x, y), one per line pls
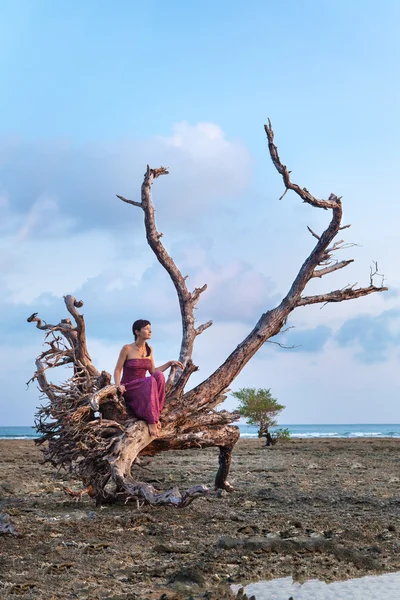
(143, 401)
(160, 381)
(159, 395)
(147, 400)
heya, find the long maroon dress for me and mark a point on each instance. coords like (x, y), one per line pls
(144, 395)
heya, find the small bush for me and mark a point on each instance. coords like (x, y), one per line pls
(283, 435)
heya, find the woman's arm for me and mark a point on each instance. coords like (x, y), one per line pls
(120, 363)
(164, 367)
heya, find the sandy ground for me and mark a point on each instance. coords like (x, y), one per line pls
(308, 508)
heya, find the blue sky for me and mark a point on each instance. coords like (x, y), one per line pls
(94, 91)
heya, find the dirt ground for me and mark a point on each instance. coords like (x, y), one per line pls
(327, 509)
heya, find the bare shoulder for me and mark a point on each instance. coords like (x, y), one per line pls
(125, 349)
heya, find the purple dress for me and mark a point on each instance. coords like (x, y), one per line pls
(144, 395)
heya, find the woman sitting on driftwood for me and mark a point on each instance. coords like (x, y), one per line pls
(144, 395)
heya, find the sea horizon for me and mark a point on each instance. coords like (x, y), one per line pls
(302, 430)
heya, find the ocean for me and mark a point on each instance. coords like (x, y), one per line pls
(246, 431)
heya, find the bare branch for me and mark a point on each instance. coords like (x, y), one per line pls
(195, 295)
(80, 347)
(64, 326)
(159, 171)
(373, 272)
(105, 394)
(203, 327)
(42, 380)
(335, 267)
(313, 232)
(341, 245)
(283, 345)
(279, 343)
(178, 388)
(40, 324)
(139, 204)
(287, 329)
(340, 295)
(282, 169)
(173, 374)
(172, 497)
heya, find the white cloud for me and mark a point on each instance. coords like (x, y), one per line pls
(57, 266)
(206, 142)
(82, 180)
(44, 216)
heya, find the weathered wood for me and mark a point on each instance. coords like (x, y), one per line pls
(225, 456)
(100, 450)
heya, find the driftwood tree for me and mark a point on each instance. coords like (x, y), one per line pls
(84, 420)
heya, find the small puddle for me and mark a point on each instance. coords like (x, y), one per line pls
(372, 587)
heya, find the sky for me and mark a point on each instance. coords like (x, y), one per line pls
(94, 91)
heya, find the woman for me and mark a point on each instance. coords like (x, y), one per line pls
(144, 395)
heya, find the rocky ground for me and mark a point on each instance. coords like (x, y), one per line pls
(327, 509)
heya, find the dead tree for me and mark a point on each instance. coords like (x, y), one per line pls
(85, 422)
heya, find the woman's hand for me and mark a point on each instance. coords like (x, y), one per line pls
(122, 389)
(175, 363)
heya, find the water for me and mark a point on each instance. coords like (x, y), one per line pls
(17, 433)
(332, 431)
(247, 431)
(372, 587)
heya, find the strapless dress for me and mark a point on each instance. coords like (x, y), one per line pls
(144, 395)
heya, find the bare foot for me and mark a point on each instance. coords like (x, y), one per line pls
(153, 429)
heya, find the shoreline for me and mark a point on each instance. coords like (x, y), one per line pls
(326, 508)
(303, 431)
(246, 437)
